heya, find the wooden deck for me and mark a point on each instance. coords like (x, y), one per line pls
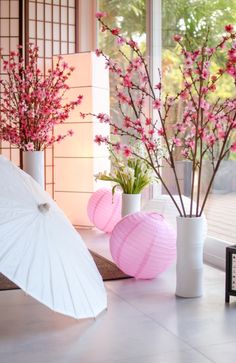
(221, 216)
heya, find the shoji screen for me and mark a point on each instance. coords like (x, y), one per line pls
(51, 25)
(10, 37)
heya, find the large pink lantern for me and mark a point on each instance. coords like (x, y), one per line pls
(104, 210)
(143, 245)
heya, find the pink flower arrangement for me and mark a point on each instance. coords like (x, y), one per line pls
(205, 128)
(32, 103)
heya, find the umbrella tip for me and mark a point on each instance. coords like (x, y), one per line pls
(44, 207)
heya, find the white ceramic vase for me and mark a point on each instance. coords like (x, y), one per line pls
(189, 268)
(131, 203)
(33, 164)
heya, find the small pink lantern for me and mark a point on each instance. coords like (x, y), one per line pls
(143, 245)
(104, 210)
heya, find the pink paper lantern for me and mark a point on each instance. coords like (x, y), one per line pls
(104, 211)
(143, 245)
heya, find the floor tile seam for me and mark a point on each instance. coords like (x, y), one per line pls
(150, 356)
(216, 344)
(192, 347)
(126, 301)
(163, 327)
(155, 321)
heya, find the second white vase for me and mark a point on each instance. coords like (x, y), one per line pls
(189, 268)
(131, 203)
(33, 164)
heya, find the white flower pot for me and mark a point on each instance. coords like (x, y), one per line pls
(33, 164)
(131, 203)
(189, 268)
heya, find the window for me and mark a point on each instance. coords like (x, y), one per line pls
(131, 18)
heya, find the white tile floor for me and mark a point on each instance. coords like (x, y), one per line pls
(145, 323)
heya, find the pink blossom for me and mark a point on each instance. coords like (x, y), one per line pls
(115, 31)
(103, 28)
(102, 117)
(127, 122)
(143, 80)
(127, 151)
(59, 138)
(98, 52)
(120, 40)
(188, 62)
(180, 127)
(211, 117)
(117, 147)
(177, 38)
(151, 145)
(100, 14)
(185, 152)
(29, 146)
(212, 87)
(157, 104)
(122, 97)
(148, 121)
(204, 90)
(184, 95)
(176, 141)
(99, 139)
(170, 101)
(231, 70)
(127, 81)
(233, 147)
(136, 62)
(209, 139)
(70, 132)
(190, 143)
(158, 86)
(204, 105)
(209, 51)
(132, 43)
(232, 55)
(229, 28)
(139, 101)
(205, 74)
(221, 134)
(160, 132)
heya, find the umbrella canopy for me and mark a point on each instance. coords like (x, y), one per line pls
(41, 251)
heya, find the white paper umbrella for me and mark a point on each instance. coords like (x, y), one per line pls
(41, 251)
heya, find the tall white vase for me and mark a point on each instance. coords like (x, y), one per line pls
(33, 164)
(131, 203)
(189, 268)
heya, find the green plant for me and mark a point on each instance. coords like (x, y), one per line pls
(131, 174)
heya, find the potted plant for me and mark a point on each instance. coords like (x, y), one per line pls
(131, 175)
(32, 104)
(205, 127)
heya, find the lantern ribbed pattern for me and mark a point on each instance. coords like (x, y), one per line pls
(104, 211)
(143, 245)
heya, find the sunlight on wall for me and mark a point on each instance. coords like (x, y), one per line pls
(77, 159)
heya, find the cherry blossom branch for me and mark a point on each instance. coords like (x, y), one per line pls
(202, 127)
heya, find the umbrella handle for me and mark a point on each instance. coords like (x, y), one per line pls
(44, 207)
